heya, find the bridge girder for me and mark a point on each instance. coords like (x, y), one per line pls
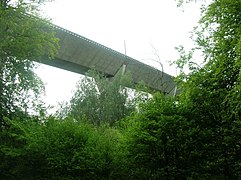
(79, 54)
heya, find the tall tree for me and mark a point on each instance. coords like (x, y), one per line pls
(212, 92)
(23, 38)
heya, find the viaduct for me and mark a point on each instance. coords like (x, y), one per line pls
(79, 54)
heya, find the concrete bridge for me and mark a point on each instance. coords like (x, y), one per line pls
(79, 54)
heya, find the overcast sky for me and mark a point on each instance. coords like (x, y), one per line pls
(143, 24)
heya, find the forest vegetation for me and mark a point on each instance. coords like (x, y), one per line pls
(105, 134)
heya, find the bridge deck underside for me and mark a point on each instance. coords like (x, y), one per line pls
(79, 54)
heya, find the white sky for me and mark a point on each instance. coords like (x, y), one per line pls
(141, 23)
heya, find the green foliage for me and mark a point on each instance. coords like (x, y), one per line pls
(212, 92)
(61, 149)
(102, 100)
(23, 38)
(160, 144)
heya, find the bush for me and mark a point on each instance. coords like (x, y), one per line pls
(67, 149)
(160, 141)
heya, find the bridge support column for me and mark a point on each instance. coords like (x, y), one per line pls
(122, 70)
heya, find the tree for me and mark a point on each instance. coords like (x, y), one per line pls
(102, 100)
(24, 38)
(163, 142)
(212, 92)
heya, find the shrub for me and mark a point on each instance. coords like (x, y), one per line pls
(66, 149)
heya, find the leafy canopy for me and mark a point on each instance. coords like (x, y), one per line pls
(23, 38)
